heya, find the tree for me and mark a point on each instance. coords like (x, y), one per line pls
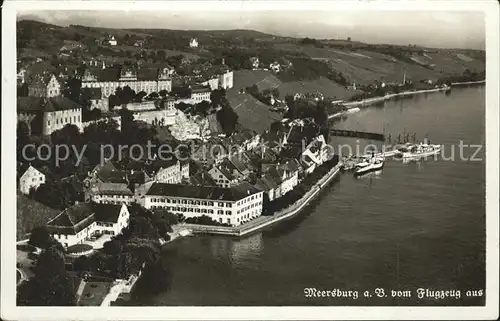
(152, 96)
(40, 237)
(227, 118)
(348, 39)
(140, 95)
(163, 93)
(51, 284)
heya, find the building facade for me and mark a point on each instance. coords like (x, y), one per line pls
(46, 115)
(81, 221)
(143, 79)
(200, 93)
(226, 79)
(233, 206)
(31, 178)
(45, 87)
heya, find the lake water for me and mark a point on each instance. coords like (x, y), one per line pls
(417, 225)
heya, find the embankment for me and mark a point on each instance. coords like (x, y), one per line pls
(264, 221)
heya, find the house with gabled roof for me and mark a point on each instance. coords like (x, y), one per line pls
(81, 221)
(30, 178)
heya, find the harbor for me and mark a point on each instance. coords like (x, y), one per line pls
(357, 225)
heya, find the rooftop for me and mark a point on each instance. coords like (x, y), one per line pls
(234, 193)
(35, 104)
(77, 217)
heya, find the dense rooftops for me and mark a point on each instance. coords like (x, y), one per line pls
(234, 193)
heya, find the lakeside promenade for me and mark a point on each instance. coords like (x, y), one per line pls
(264, 221)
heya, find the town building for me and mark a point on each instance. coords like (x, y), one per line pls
(226, 79)
(94, 95)
(46, 115)
(112, 41)
(78, 223)
(142, 79)
(31, 178)
(44, 86)
(255, 62)
(200, 93)
(234, 206)
(169, 170)
(193, 43)
(275, 67)
(225, 174)
(107, 185)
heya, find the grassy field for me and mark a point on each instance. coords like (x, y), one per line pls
(31, 214)
(252, 114)
(363, 66)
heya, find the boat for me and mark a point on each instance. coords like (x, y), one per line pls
(419, 151)
(375, 164)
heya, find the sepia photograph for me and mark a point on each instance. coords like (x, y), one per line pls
(247, 158)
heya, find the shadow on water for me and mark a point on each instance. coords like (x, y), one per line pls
(288, 226)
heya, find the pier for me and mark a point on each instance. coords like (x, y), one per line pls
(357, 134)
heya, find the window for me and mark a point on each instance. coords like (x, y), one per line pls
(48, 122)
(229, 205)
(204, 210)
(220, 212)
(204, 203)
(221, 204)
(228, 212)
(211, 203)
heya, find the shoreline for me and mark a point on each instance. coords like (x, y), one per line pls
(374, 100)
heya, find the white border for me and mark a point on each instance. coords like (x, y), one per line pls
(8, 222)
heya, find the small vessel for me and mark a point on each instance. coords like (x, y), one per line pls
(419, 151)
(375, 164)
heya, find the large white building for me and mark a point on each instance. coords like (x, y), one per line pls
(143, 79)
(46, 115)
(234, 206)
(79, 222)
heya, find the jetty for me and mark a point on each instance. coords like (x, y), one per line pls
(357, 134)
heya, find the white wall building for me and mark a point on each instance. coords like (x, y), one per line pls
(79, 222)
(234, 206)
(143, 79)
(31, 178)
(193, 43)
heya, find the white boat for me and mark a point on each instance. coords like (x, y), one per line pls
(420, 151)
(374, 165)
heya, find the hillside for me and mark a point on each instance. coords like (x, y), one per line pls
(330, 67)
(31, 214)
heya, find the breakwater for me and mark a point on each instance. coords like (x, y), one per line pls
(264, 221)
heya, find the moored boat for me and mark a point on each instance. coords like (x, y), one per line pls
(421, 150)
(374, 165)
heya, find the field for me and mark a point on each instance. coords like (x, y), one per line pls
(363, 66)
(252, 114)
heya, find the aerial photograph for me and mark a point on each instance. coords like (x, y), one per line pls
(252, 158)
